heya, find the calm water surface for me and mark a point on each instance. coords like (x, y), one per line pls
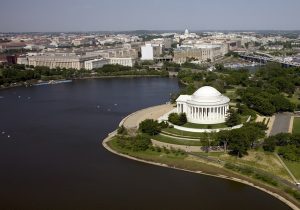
(53, 158)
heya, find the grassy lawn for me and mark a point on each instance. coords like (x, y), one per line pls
(244, 118)
(179, 161)
(176, 141)
(257, 159)
(294, 168)
(296, 125)
(204, 126)
(210, 154)
(185, 133)
(295, 98)
(230, 93)
(147, 155)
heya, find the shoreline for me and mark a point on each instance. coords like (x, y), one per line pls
(275, 195)
(83, 78)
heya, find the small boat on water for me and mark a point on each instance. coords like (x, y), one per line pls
(52, 82)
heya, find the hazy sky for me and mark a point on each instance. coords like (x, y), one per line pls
(101, 15)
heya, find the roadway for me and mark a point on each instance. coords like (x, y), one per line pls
(281, 123)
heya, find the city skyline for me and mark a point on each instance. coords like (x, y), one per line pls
(115, 15)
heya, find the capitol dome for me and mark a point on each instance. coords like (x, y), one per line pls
(206, 106)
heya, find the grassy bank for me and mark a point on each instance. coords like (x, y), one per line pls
(294, 168)
(180, 161)
(260, 160)
(188, 134)
(191, 163)
(173, 140)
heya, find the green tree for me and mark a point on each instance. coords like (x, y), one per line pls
(269, 144)
(224, 137)
(290, 152)
(282, 104)
(233, 118)
(238, 144)
(150, 127)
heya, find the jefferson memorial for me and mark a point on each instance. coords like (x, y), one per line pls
(206, 106)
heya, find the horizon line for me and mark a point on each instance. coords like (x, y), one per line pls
(155, 30)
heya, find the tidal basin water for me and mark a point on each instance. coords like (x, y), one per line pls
(51, 155)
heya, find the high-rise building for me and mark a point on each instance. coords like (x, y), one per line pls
(147, 52)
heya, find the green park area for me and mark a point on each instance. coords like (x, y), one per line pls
(180, 133)
(257, 160)
(296, 125)
(257, 167)
(175, 140)
(294, 168)
(172, 158)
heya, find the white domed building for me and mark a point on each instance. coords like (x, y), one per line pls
(206, 106)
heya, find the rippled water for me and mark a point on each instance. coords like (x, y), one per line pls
(51, 155)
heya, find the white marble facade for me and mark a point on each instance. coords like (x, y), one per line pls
(206, 106)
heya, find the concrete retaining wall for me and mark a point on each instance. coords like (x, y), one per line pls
(199, 130)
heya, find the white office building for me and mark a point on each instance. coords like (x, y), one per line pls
(147, 52)
(95, 63)
(122, 61)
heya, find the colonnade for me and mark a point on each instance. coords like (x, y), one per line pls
(209, 113)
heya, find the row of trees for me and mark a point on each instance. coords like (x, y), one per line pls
(265, 102)
(21, 73)
(265, 91)
(239, 141)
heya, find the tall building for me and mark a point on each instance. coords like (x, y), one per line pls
(201, 53)
(95, 63)
(60, 60)
(147, 52)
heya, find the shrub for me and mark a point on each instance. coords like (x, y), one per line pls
(151, 127)
(293, 192)
(269, 144)
(290, 152)
(164, 125)
(266, 178)
(177, 119)
(138, 143)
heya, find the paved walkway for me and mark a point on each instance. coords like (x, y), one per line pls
(133, 120)
(287, 169)
(281, 123)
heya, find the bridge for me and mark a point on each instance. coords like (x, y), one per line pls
(265, 58)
